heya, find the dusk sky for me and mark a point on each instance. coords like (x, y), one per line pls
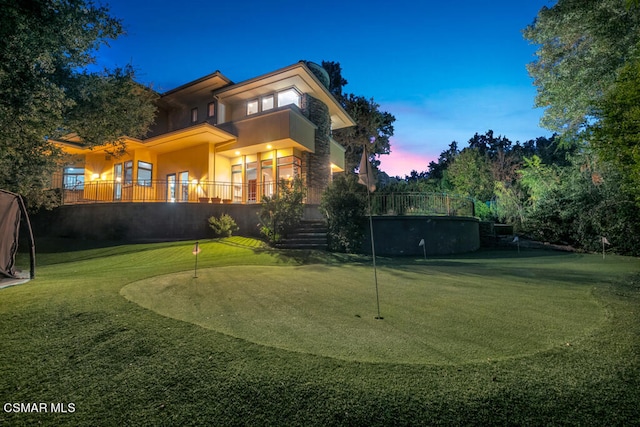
(445, 70)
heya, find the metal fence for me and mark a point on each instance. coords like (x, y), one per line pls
(103, 191)
(421, 204)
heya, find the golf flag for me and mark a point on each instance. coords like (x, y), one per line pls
(516, 239)
(196, 249)
(421, 242)
(365, 173)
(605, 241)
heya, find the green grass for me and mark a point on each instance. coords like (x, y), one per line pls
(431, 315)
(491, 338)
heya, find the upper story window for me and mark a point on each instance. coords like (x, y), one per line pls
(268, 102)
(252, 107)
(211, 109)
(289, 96)
(194, 115)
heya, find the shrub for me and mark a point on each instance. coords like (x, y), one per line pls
(281, 212)
(344, 204)
(224, 226)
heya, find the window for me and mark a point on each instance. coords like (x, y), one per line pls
(183, 182)
(252, 180)
(144, 173)
(211, 109)
(194, 115)
(289, 96)
(267, 103)
(117, 175)
(73, 178)
(252, 107)
(288, 167)
(128, 172)
(236, 181)
(268, 183)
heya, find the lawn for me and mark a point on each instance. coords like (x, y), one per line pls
(261, 337)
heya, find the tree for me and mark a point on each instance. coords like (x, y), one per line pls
(47, 92)
(370, 122)
(582, 44)
(616, 136)
(471, 175)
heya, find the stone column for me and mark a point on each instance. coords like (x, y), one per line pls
(319, 162)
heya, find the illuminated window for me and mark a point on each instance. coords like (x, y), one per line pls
(267, 103)
(289, 96)
(145, 172)
(194, 115)
(128, 172)
(252, 107)
(73, 179)
(236, 181)
(289, 167)
(211, 109)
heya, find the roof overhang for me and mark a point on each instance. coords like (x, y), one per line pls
(206, 84)
(172, 141)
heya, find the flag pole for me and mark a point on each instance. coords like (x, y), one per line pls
(366, 178)
(373, 252)
(196, 251)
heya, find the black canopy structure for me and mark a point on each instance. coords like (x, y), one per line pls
(12, 210)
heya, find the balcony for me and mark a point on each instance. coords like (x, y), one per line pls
(161, 191)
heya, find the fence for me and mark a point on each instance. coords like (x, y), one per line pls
(421, 204)
(102, 191)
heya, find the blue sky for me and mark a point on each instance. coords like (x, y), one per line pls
(445, 70)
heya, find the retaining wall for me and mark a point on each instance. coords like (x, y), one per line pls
(443, 235)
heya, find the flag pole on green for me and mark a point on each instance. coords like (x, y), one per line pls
(196, 251)
(604, 242)
(365, 177)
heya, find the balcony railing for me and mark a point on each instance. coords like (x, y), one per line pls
(101, 191)
(253, 192)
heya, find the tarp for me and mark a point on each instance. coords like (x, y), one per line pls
(9, 229)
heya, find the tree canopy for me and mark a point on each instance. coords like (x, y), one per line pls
(370, 122)
(581, 46)
(46, 90)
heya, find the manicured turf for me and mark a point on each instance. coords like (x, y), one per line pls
(71, 337)
(431, 315)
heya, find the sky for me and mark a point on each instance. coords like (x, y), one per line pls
(445, 70)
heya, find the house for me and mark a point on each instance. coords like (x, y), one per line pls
(215, 141)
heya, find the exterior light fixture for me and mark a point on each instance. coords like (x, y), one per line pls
(237, 153)
(194, 182)
(269, 147)
(95, 176)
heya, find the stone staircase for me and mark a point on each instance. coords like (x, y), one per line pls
(308, 235)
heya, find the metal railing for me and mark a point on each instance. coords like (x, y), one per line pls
(102, 191)
(421, 204)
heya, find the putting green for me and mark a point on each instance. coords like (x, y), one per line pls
(434, 314)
